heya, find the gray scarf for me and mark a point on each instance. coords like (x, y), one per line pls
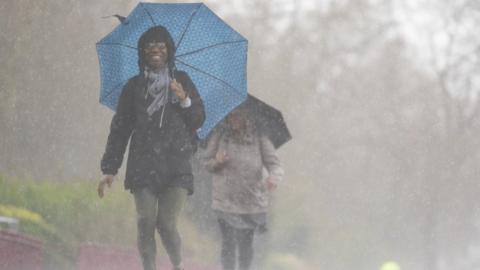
(157, 87)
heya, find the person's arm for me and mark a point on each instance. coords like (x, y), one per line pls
(271, 162)
(192, 106)
(214, 160)
(121, 129)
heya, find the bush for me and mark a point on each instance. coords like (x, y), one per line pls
(66, 214)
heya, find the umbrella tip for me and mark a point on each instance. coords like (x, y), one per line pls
(122, 19)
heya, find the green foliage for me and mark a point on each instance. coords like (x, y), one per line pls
(66, 214)
(73, 208)
(25, 216)
(69, 213)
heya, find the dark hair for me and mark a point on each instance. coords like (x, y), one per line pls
(160, 34)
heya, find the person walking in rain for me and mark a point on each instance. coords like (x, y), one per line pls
(236, 156)
(159, 111)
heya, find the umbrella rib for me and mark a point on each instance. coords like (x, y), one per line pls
(209, 47)
(118, 44)
(205, 73)
(148, 13)
(188, 25)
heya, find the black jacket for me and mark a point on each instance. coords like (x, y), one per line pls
(158, 157)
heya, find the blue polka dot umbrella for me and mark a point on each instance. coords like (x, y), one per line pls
(210, 51)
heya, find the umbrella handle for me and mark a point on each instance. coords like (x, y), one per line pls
(172, 71)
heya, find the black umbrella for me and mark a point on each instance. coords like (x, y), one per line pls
(269, 120)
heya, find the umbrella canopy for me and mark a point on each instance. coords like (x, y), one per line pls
(210, 51)
(269, 120)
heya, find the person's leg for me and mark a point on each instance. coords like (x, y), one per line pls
(244, 239)
(228, 245)
(170, 204)
(146, 205)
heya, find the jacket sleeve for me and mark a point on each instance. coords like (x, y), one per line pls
(194, 115)
(211, 163)
(121, 129)
(270, 159)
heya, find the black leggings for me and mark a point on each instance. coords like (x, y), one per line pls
(236, 239)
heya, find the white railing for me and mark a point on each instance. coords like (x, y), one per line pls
(9, 223)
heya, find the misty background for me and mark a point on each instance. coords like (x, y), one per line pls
(381, 98)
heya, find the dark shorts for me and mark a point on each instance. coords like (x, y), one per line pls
(244, 221)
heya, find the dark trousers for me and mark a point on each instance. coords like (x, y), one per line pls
(159, 211)
(236, 240)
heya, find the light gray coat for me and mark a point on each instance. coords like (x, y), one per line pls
(239, 185)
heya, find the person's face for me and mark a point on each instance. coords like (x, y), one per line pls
(156, 54)
(236, 121)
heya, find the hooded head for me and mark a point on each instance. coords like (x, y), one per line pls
(239, 118)
(155, 34)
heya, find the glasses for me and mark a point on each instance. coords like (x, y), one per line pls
(155, 45)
